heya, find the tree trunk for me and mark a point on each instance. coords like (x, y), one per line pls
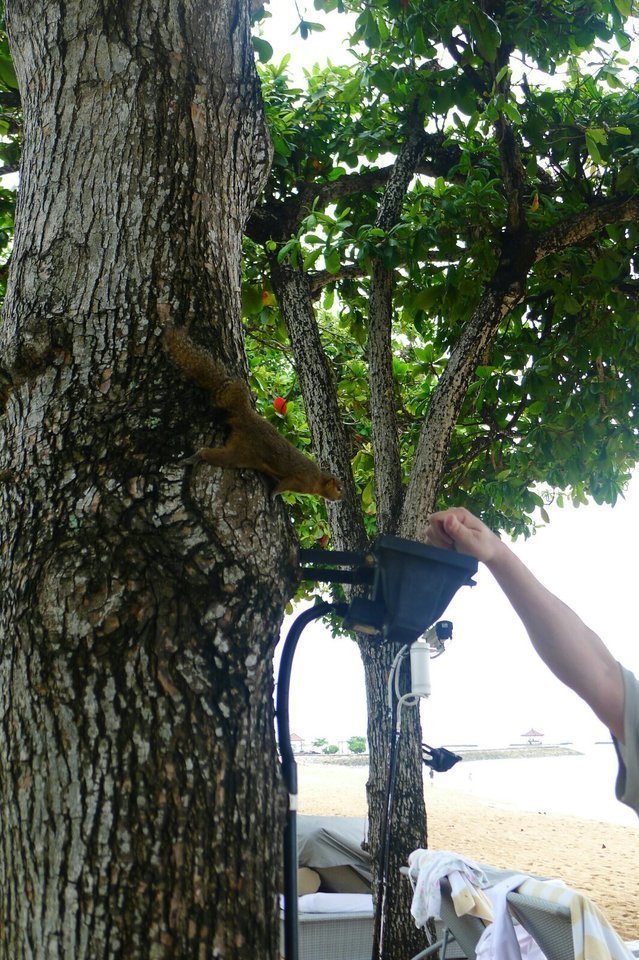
(141, 807)
(407, 822)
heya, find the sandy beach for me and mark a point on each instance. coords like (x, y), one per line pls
(601, 859)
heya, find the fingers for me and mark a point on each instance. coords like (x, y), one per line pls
(445, 526)
(436, 535)
(458, 529)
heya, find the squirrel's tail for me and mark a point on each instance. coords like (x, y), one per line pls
(195, 361)
(199, 366)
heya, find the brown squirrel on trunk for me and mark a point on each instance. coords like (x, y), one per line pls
(253, 443)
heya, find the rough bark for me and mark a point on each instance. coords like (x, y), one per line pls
(434, 440)
(383, 402)
(140, 803)
(328, 434)
(408, 829)
(575, 230)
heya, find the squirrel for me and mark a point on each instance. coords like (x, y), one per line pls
(253, 443)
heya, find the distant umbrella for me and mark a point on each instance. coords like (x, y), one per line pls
(531, 733)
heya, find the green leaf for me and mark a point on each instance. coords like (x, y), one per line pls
(420, 46)
(485, 33)
(512, 112)
(440, 187)
(624, 7)
(262, 47)
(593, 149)
(623, 40)
(352, 90)
(332, 260)
(598, 134)
(251, 299)
(310, 259)
(7, 73)
(280, 145)
(289, 247)
(571, 305)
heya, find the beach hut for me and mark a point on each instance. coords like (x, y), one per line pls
(532, 735)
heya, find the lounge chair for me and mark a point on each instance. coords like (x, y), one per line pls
(458, 936)
(551, 925)
(548, 922)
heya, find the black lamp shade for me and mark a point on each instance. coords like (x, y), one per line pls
(416, 583)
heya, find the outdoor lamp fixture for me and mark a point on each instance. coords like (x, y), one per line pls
(409, 587)
(439, 759)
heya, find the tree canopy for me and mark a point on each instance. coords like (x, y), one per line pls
(474, 160)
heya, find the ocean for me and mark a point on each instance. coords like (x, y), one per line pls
(583, 785)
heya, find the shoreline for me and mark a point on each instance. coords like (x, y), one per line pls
(515, 751)
(599, 858)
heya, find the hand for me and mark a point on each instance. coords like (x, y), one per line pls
(458, 529)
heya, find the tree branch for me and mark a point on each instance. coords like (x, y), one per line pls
(384, 423)
(483, 441)
(328, 434)
(629, 288)
(317, 281)
(575, 229)
(433, 445)
(513, 173)
(279, 219)
(469, 72)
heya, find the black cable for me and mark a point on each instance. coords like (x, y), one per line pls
(289, 770)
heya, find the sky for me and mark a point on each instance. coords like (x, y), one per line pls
(489, 686)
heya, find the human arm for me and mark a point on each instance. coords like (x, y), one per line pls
(574, 653)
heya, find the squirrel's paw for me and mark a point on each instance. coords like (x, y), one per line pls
(191, 461)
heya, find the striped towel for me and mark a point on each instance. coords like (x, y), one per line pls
(593, 937)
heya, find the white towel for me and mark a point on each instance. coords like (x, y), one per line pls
(503, 940)
(426, 868)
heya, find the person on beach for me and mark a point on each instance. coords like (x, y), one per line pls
(574, 653)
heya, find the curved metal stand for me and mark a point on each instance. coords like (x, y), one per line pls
(411, 585)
